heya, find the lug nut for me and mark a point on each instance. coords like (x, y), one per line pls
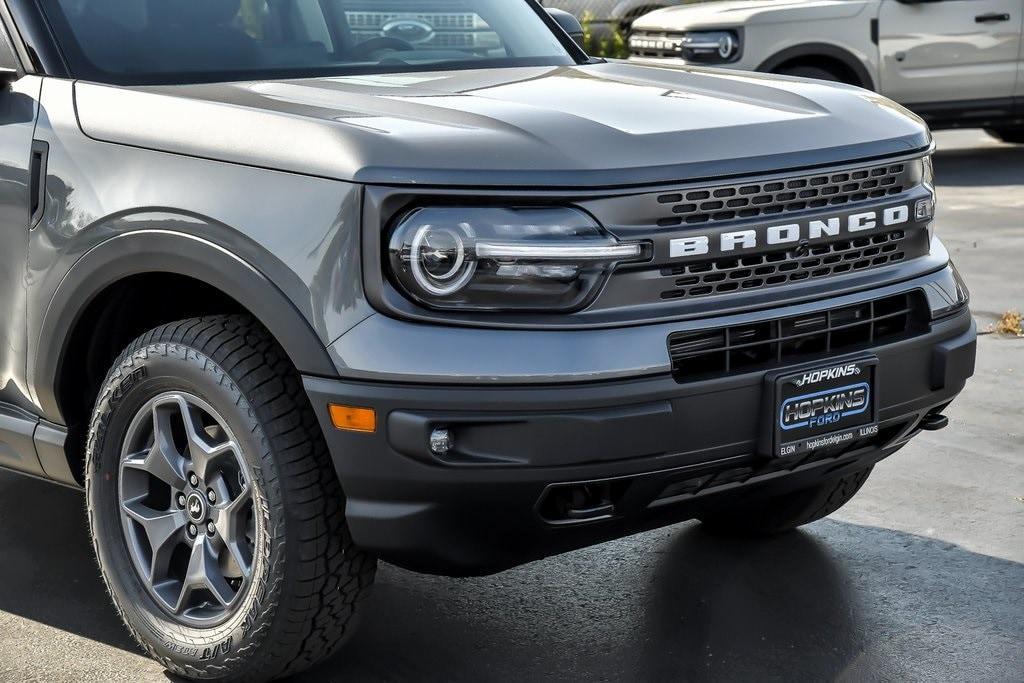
(181, 500)
(193, 479)
(192, 530)
(210, 528)
(211, 496)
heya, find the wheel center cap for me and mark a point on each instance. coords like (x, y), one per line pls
(195, 507)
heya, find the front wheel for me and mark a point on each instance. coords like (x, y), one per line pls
(215, 512)
(778, 514)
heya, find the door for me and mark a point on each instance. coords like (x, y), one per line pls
(948, 50)
(19, 101)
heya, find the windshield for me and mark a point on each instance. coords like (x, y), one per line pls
(183, 41)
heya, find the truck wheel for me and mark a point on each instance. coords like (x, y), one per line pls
(215, 512)
(779, 514)
(809, 72)
(1014, 135)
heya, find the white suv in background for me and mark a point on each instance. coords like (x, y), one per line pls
(956, 63)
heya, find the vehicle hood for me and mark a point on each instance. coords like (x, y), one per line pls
(748, 13)
(611, 124)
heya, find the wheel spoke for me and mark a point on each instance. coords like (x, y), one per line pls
(229, 520)
(163, 529)
(162, 460)
(204, 573)
(205, 456)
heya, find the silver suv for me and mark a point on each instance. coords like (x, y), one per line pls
(954, 62)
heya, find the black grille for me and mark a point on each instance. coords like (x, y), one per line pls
(779, 197)
(771, 269)
(775, 343)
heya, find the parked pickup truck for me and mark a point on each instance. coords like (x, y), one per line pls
(285, 298)
(954, 62)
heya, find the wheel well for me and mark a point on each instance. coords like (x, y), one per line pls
(111, 321)
(834, 65)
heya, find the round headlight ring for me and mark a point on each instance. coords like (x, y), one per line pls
(460, 272)
(726, 45)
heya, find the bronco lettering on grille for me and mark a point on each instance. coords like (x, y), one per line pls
(746, 240)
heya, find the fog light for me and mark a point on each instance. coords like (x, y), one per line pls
(441, 442)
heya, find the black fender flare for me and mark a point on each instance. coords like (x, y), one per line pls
(820, 50)
(164, 251)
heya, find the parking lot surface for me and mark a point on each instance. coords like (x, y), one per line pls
(921, 577)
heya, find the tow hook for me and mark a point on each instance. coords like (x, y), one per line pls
(934, 422)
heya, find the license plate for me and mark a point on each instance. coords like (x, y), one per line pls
(822, 407)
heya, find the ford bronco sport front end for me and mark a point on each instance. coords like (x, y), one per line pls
(286, 296)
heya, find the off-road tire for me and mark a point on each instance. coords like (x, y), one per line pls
(1012, 135)
(308, 578)
(779, 514)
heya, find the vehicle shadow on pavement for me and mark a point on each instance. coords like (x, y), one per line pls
(48, 571)
(837, 601)
(980, 166)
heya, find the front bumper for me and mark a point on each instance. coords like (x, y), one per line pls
(660, 451)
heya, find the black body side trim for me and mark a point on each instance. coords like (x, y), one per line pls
(16, 449)
(820, 50)
(49, 441)
(1005, 111)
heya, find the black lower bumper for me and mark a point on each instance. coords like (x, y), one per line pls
(652, 451)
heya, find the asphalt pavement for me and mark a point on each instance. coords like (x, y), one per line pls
(920, 578)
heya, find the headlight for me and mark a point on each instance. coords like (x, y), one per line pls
(705, 47)
(925, 208)
(709, 46)
(483, 258)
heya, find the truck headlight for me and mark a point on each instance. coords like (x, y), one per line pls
(710, 46)
(702, 47)
(924, 209)
(487, 258)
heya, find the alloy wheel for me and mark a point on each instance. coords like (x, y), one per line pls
(186, 504)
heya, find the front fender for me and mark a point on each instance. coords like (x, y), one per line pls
(166, 251)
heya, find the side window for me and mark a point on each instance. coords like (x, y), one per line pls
(312, 23)
(8, 58)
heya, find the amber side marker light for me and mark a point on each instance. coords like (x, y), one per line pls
(352, 419)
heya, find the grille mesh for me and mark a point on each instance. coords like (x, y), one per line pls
(778, 197)
(776, 343)
(772, 269)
